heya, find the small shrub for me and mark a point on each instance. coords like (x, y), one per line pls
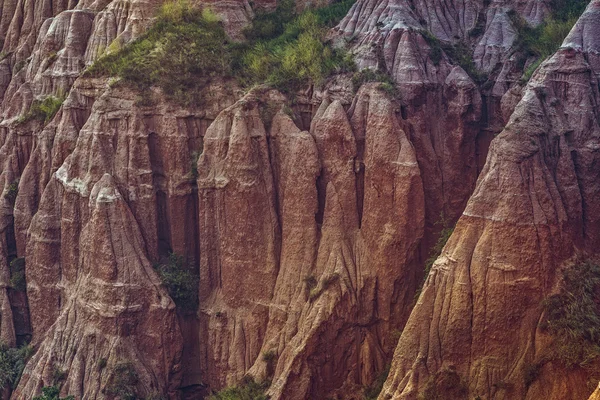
(194, 164)
(372, 391)
(17, 274)
(573, 316)
(310, 281)
(123, 381)
(296, 56)
(102, 363)
(530, 70)
(269, 358)
(58, 375)
(43, 110)
(12, 363)
(52, 57)
(52, 393)
(435, 47)
(180, 282)
(368, 75)
(249, 389)
(11, 193)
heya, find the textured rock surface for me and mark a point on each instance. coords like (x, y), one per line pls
(309, 228)
(534, 209)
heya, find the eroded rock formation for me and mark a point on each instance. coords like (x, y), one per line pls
(308, 226)
(534, 210)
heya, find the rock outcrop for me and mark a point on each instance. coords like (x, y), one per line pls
(534, 210)
(307, 222)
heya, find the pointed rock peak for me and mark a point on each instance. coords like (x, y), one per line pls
(282, 123)
(585, 35)
(320, 111)
(104, 191)
(334, 112)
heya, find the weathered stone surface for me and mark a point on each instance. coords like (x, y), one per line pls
(115, 311)
(535, 208)
(309, 225)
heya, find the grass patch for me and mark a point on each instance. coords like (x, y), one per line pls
(52, 393)
(187, 48)
(545, 39)
(12, 363)
(180, 281)
(573, 317)
(43, 110)
(249, 389)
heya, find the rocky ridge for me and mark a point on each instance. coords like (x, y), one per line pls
(309, 227)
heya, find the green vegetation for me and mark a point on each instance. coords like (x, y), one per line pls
(269, 358)
(123, 382)
(11, 193)
(181, 53)
(180, 281)
(43, 110)
(17, 274)
(446, 384)
(311, 282)
(288, 50)
(458, 53)
(187, 48)
(372, 392)
(545, 39)
(194, 163)
(102, 363)
(573, 316)
(368, 75)
(248, 390)
(58, 375)
(52, 393)
(12, 363)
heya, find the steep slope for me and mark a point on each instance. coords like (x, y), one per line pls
(308, 225)
(533, 212)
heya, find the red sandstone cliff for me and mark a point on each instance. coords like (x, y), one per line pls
(309, 232)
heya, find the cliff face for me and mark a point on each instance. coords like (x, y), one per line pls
(533, 211)
(308, 226)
